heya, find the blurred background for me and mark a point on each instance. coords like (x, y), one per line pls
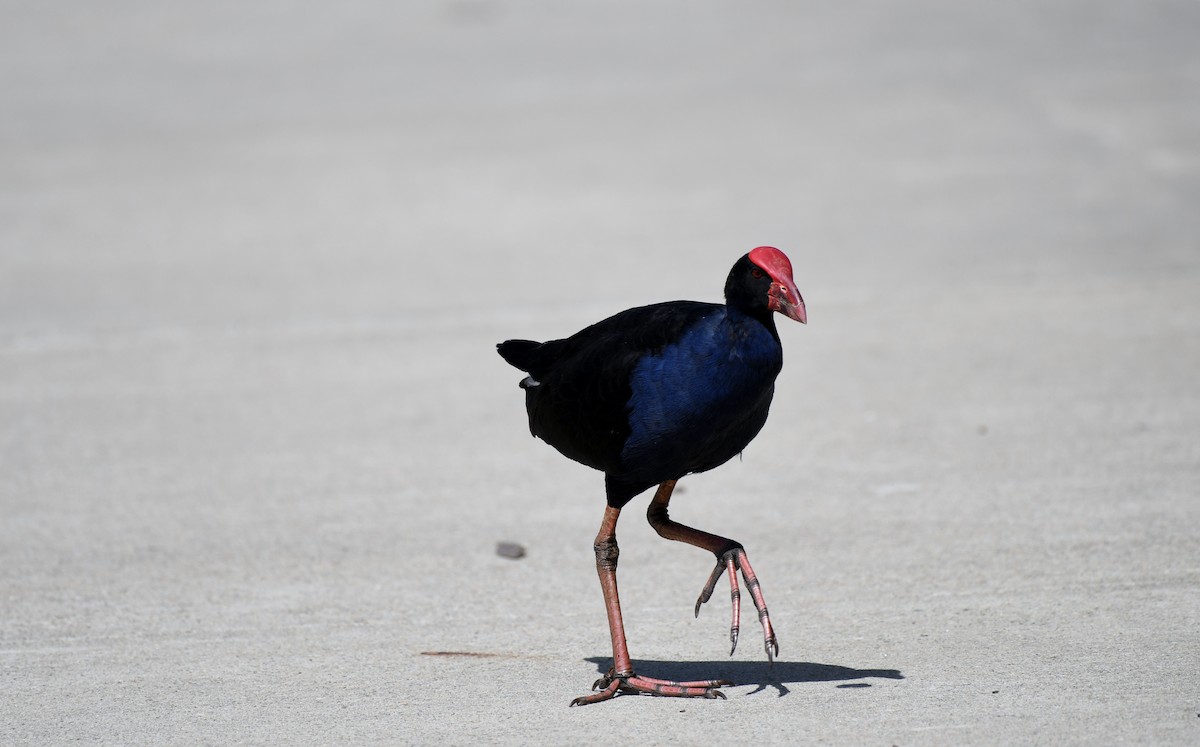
(254, 259)
(544, 141)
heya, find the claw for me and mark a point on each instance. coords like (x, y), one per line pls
(608, 692)
(707, 592)
(734, 561)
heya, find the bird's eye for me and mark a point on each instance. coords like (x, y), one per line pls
(757, 273)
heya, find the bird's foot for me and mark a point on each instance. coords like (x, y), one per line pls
(735, 560)
(613, 684)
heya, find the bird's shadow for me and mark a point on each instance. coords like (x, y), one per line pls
(777, 675)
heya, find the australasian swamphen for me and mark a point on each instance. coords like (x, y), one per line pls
(655, 393)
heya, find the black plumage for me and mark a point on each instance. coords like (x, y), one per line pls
(658, 392)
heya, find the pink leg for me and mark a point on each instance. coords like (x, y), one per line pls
(731, 557)
(621, 677)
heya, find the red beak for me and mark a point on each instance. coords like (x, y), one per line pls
(787, 301)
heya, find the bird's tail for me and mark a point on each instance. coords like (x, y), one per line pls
(534, 358)
(525, 355)
(520, 354)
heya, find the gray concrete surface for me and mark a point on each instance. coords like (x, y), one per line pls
(257, 449)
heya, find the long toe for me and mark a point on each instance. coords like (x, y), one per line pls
(608, 692)
(735, 561)
(638, 685)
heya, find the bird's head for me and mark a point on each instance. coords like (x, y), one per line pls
(762, 281)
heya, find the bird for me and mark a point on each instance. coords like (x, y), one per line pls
(650, 395)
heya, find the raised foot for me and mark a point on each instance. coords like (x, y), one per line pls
(611, 685)
(733, 561)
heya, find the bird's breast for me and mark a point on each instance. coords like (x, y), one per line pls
(713, 385)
